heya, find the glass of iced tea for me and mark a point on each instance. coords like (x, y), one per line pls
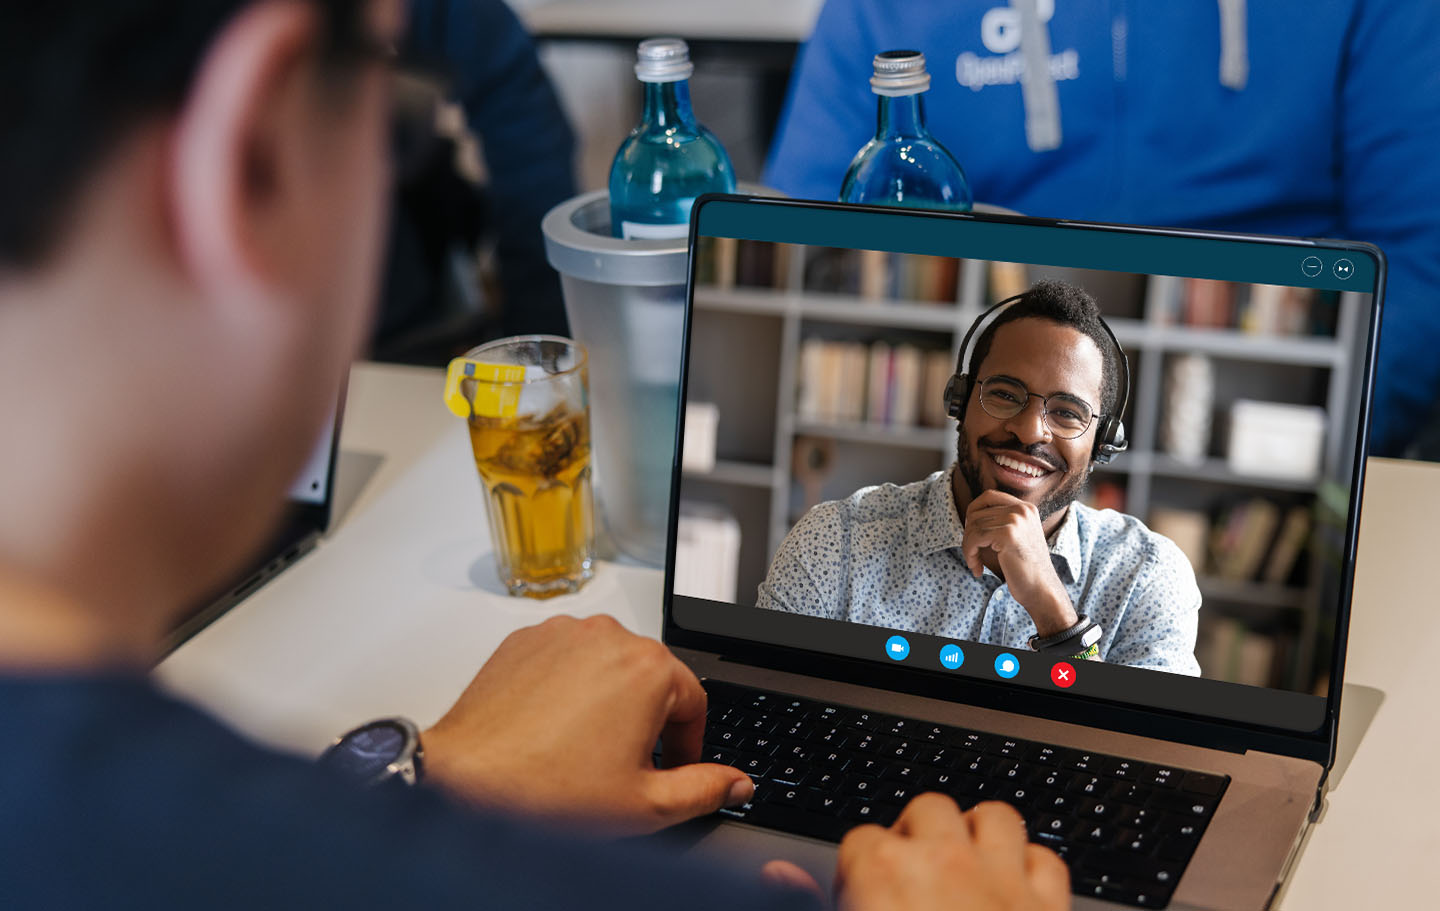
(526, 401)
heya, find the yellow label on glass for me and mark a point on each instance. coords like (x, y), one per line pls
(497, 389)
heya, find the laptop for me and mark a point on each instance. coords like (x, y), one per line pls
(308, 510)
(1176, 757)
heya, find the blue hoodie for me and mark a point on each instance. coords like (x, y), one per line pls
(1317, 119)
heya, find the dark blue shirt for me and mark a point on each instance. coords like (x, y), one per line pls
(115, 796)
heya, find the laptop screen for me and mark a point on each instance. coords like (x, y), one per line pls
(1135, 479)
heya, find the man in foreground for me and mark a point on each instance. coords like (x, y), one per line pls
(996, 549)
(188, 246)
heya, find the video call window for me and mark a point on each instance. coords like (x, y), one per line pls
(832, 441)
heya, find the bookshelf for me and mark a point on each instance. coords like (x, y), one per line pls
(774, 299)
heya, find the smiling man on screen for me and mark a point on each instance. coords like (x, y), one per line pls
(997, 549)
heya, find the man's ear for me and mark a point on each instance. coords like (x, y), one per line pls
(230, 167)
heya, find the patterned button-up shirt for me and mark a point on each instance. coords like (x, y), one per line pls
(891, 556)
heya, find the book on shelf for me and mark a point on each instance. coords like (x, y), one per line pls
(1007, 280)
(1188, 528)
(881, 383)
(1289, 544)
(1229, 650)
(707, 552)
(1209, 304)
(1241, 540)
(934, 411)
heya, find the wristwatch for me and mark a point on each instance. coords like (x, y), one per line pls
(1072, 642)
(381, 752)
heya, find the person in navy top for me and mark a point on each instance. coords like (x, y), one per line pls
(194, 195)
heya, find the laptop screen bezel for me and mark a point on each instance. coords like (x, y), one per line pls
(1211, 732)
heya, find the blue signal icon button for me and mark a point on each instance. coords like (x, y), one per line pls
(951, 657)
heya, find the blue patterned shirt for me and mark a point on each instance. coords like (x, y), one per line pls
(890, 556)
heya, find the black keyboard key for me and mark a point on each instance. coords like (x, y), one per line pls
(864, 766)
(1081, 761)
(910, 775)
(939, 781)
(1190, 806)
(1138, 818)
(832, 759)
(762, 724)
(1200, 783)
(1014, 749)
(1132, 793)
(1176, 848)
(830, 738)
(904, 751)
(1053, 778)
(826, 803)
(975, 765)
(1143, 871)
(971, 740)
(1161, 777)
(728, 737)
(765, 745)
(1138, 842)
(785, 796)
(895, 794)
(1094, 833)
(824, 779)
(1090, 785)
(898, 727)
(798, 730)
(868, 721)
(1046, 756)
(829, 715)
(1123, 769)
(798, 821)
(1055, 802)
(1096, 809)
(1018, 796)
(1180, 826)
(937, 756)
(756, 766)
(932, 733)
(718, 754)
(788, 773)
(1049, 828)
(869, 811)
(790, 751)
(860, 786)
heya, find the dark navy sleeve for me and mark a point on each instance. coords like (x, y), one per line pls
(1389, 100)
(829, 110)
(122, 798)
(529, 148)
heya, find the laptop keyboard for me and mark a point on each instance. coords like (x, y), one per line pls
(1125, 828)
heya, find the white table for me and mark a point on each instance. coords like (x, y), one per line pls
(398, 608)
(732, 20)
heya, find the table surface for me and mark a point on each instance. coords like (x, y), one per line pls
(732, 20)
(399, 606)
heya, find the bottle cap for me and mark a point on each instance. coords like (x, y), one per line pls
(663, 60)
(899, 73)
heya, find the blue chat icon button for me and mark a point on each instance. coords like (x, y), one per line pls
(1007, 665)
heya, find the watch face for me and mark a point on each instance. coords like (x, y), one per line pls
(364, 754)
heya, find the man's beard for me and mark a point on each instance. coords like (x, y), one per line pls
(1060, 498)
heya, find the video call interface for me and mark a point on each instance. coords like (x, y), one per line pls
(828, 488)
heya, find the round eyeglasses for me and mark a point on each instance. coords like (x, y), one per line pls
(1067, 416)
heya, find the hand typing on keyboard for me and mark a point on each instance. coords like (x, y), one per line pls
(561, 722)
(936, 857)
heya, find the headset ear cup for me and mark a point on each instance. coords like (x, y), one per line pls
(1109, 441)
(957, 395)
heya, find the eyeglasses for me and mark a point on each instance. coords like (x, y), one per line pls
(1067, 416)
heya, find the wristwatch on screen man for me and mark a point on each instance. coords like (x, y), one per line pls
(382, 752)
(1079, 641)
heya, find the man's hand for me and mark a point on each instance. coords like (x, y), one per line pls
(1004, 532)
(937, 857)
(561, 722)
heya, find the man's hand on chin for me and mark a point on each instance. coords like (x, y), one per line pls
(1010, 528)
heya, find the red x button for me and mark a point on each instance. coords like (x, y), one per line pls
(1062, 674)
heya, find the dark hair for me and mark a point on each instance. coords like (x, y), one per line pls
(76, 75)
(1068, 305)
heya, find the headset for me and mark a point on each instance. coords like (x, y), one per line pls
(1109, 436)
